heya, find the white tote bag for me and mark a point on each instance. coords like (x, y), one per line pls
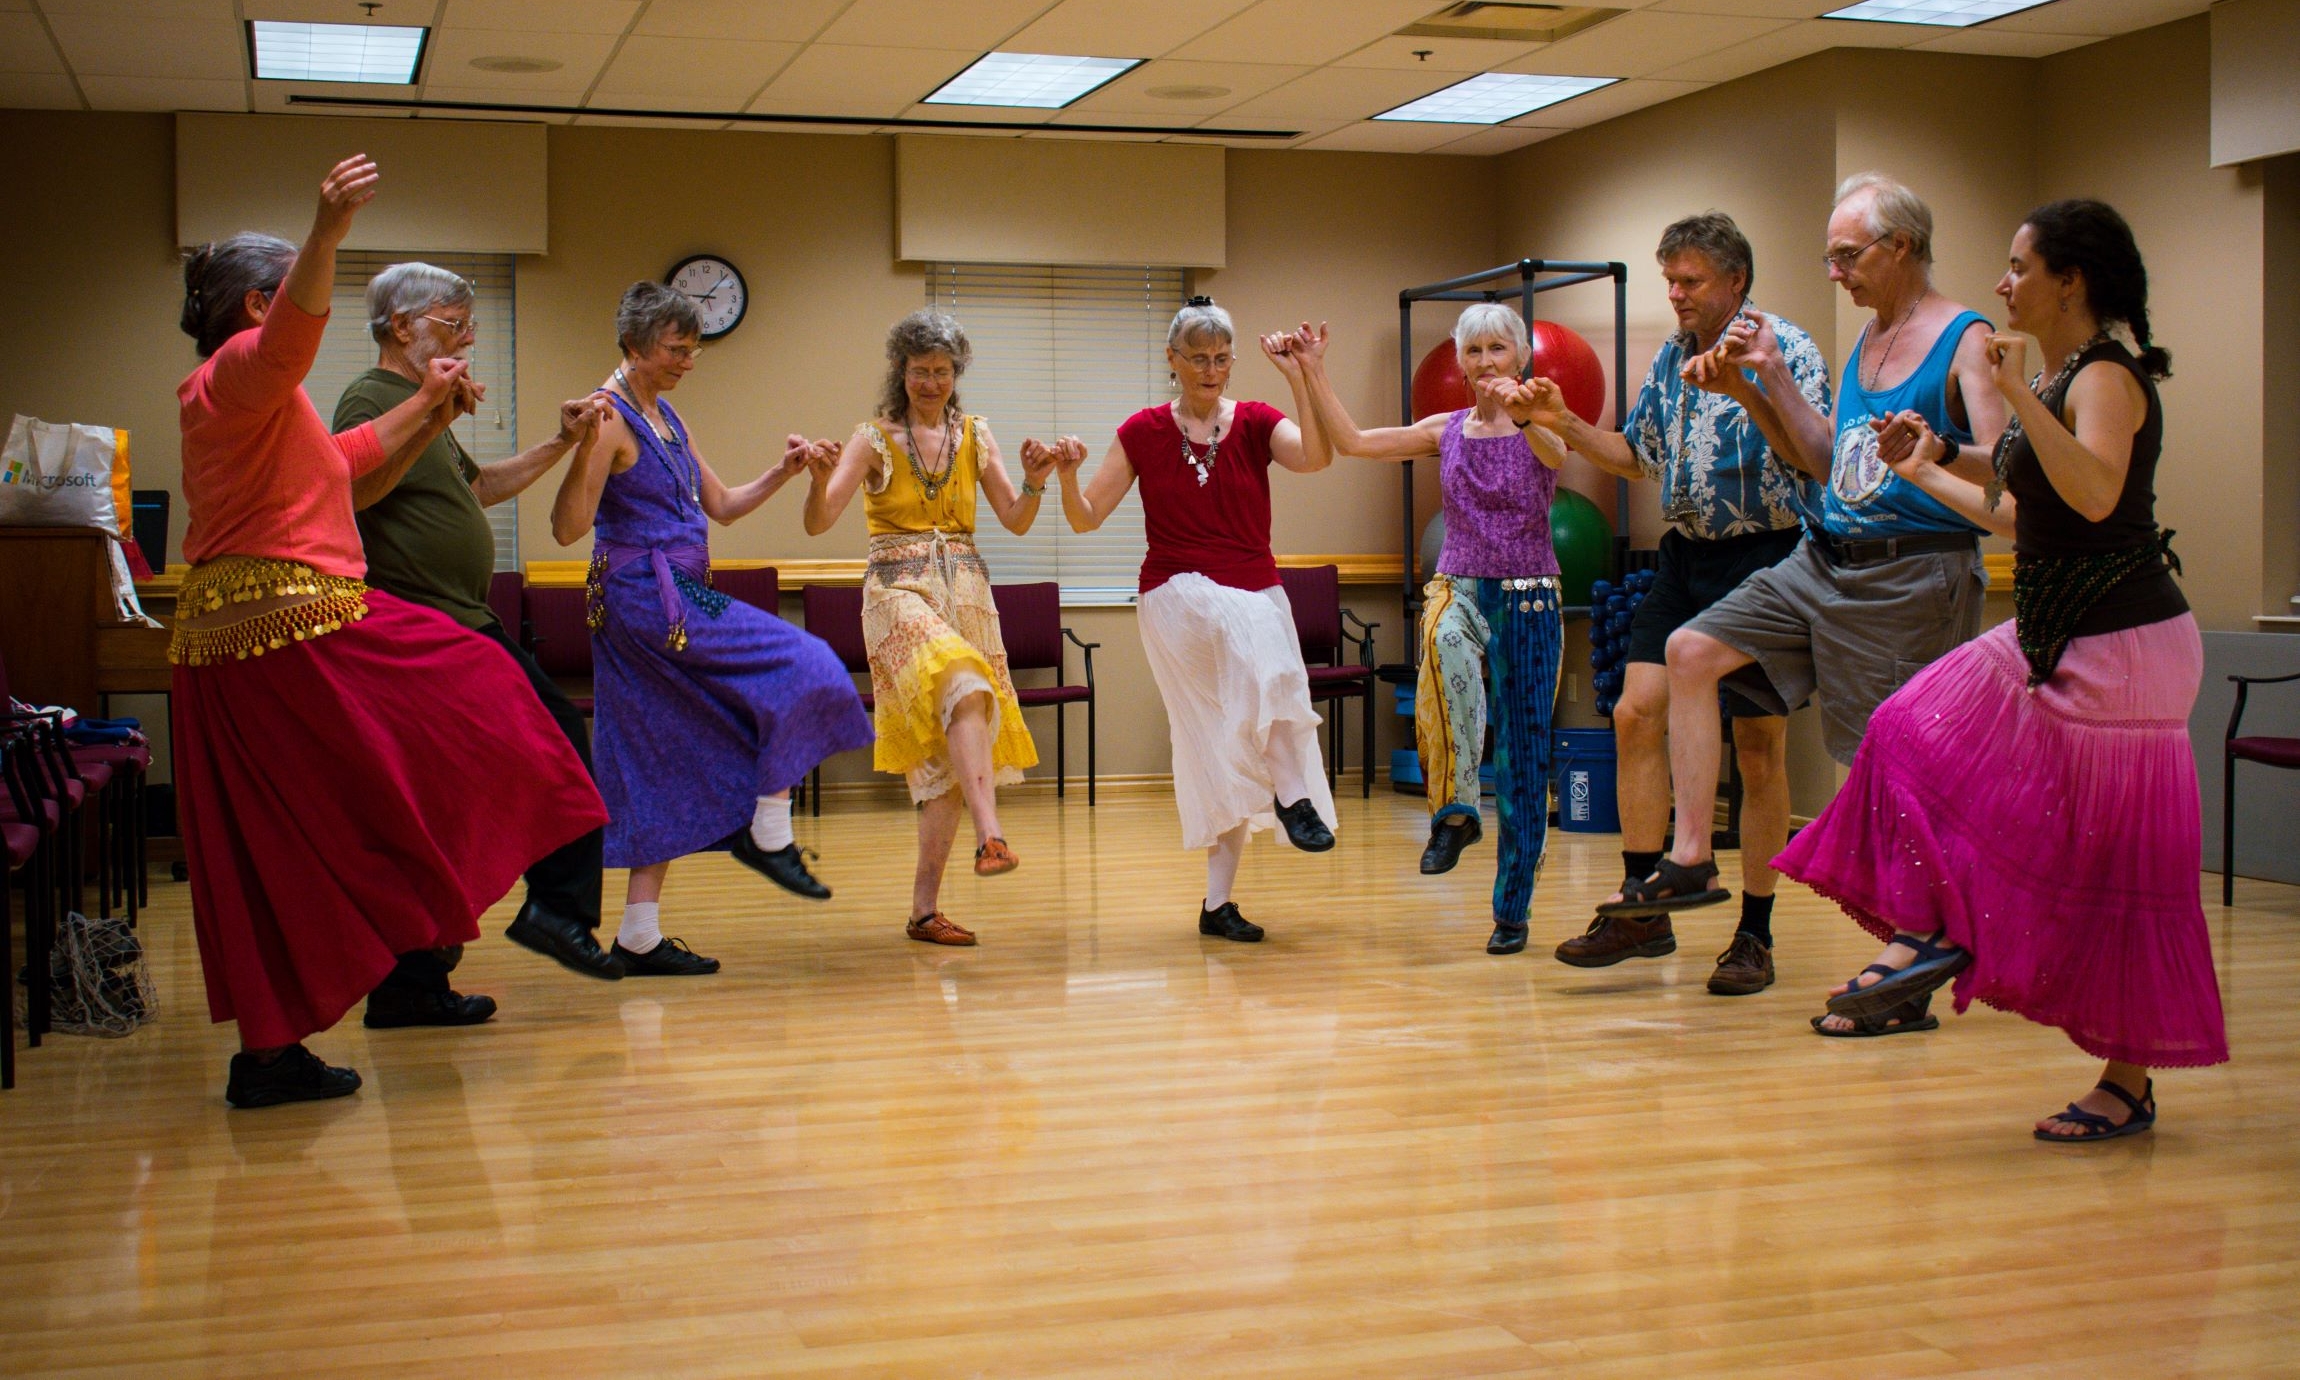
(66, 474)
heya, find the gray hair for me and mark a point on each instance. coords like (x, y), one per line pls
(1893, 210)
(1488, 321)
(648, 312)
(923, 332)
(218, 278)
(1715, 237)
(1199, 320)
(408, 290)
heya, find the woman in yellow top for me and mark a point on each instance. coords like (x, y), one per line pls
(946, 712)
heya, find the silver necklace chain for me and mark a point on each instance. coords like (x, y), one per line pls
(931, 482)
(1202, 463)
(1878, 375)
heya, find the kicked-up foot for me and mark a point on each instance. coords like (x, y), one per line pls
(1449, 835)
(1303, 828)
(937, 928)
(568, 942)
(1610, 939)
(669, 958)
(786, 866)
(294, 1074)
(1910, 967)
(995, 859)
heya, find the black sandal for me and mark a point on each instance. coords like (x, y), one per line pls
(1906, 1019)
(1895, 987)
(2098, 1127)
(1672, 887)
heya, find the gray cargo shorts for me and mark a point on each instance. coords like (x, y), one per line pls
(1851, 634)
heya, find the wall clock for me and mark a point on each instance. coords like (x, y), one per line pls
(716, 288)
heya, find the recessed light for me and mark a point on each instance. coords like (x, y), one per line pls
(517, 64)
(388, 54)
(1948, 14)
(1188, 93)
(1493, 97)
(1045, 81)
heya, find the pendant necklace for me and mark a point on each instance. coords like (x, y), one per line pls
(2000, 461)
(693, 484)
(933, 481)
(1877, 376)
(1203, 463)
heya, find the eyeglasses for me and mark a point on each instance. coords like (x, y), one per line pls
(927, 376)
(1842, 259)
(469, 325)
(1203, 363)
(686, 354)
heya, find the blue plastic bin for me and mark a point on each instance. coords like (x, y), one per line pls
(1586, 799)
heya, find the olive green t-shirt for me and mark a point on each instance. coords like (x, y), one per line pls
(427, 540)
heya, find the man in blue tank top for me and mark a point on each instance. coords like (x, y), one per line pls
(1887, 580)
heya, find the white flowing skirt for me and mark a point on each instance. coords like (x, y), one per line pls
(1229, 667)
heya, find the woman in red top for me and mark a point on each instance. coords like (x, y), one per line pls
(1215, 623)
(343, 757)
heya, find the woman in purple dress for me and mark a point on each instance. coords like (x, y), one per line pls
(708, 710)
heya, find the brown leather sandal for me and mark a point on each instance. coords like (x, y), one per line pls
(938, 929)
(995, 858)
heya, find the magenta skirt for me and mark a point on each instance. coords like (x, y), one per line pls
(2055, 834)
(356, 797)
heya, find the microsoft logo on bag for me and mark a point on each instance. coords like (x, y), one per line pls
(8, 476)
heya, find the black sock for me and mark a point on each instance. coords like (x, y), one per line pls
(1757, 917)
(1639, 865)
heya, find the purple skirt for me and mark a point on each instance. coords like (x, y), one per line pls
(686, 741)
(2055, 834)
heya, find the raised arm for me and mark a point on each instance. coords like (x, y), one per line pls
(1090, 507)
(1341, 432)
(2088, 456)
(609, 448)
(1016, 510)
(830, 486)
(1525, 402)
(1300, 446)
(1782, 408)
(259, 373)
(1972, 375)
(578, 418)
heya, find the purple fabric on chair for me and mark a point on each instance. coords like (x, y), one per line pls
(503, 599)
(834, 614)
(1030, 624)
(761, 588)
(2275, 752)
(561, 637)
(1315, 593)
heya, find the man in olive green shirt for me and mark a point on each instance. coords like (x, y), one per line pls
(428, 541)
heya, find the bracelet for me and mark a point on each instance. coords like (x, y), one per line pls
(1523, 425)
(1030, 490)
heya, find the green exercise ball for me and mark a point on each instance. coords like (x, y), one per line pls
(1584, 542)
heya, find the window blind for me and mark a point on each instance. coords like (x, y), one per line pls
(347, 351)
(1061, 351)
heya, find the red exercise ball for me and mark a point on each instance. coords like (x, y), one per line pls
(1439, 385)
(1565, 358)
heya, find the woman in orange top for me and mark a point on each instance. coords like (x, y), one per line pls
(346, 761)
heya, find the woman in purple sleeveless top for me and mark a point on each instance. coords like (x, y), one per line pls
(708, 710)
(1492, 630)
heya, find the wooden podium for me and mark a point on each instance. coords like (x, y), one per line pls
(58, 632)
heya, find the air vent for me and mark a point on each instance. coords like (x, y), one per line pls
(1508, 20)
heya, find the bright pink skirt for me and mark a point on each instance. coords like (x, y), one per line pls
(356, 797)
(2055, 834)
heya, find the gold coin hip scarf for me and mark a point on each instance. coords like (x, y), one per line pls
(213, 589)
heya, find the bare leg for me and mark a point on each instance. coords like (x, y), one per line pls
(646, 883)
(937, 830)
(1696, 663)
(1762, 746)
(2130, 1077)
(969, 739)
(1638, 723)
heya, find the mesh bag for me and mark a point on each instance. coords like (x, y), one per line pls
(98, 980)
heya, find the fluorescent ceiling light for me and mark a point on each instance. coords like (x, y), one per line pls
(388, 54)
(1493, 98)
(1046, 81)
(1948, 14)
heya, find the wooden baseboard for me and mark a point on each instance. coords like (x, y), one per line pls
(1356, 569)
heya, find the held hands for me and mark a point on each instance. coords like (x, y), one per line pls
(1908, 444)
(443, 385)
(1279, 347)
(1748, 343)
(349, 186)
(812, 458)
(2007, 355)
(1536, 400)
(1038, 461)
(579, 419)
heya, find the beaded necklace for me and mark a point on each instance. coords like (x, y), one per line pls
(930, 480)
(691, 482)
(2000, 461)
(1202, 463)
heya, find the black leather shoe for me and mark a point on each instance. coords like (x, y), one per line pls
(671, 958)
(1449, 834)
(390, 1008)
(566, 941)
(1303, 828)
(1224, 922)
(1507, 939)
(296, 1076)
(786, 867)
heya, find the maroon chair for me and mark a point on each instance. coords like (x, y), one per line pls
(558, 635)
(506, 601)
(43, 797)
(1030, 622)
(2268, 752)
(834, 614)
(761, 588)
(114, 774)
(21, 851)
(1316, 594)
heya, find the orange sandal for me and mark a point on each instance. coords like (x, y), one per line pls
(994, 858)
(938, 929)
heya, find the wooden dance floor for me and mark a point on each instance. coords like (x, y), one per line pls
(1101, 1146)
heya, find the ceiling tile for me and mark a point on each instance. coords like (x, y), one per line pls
(689, 73)
(37, 91)
(1385, 136)
(1608, 102)
(144, 9)
(560, 16)
(164, 93)
(1993, 42)
(783, 21)
(1854, 33)
(1768, 50)
(1342, 93)
(579, 55)
(980, 25)
(1309, 32)
(1122, 28)
(335, 12)
(24, 45)
(117, 46)
(1642, 43)
(1239, 81)
(2100, 18)
(1463, 55)
(1499, 139)
(835, 79)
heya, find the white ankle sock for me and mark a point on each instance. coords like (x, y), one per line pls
(771, 822)
(640, 930)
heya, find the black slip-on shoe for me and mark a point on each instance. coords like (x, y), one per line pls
(1303, 828)
(1507, 939)
(296, 1076)
(1224, 922)
(1449, 835)
(567, 942)
(786, 867)
(392, 1008)
(670, 958)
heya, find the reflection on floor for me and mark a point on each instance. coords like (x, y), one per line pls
(1100, 1145)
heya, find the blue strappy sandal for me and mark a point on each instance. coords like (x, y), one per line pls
(2098, 1127)
(1935, 965)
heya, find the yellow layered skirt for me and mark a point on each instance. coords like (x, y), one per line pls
(931, 625)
